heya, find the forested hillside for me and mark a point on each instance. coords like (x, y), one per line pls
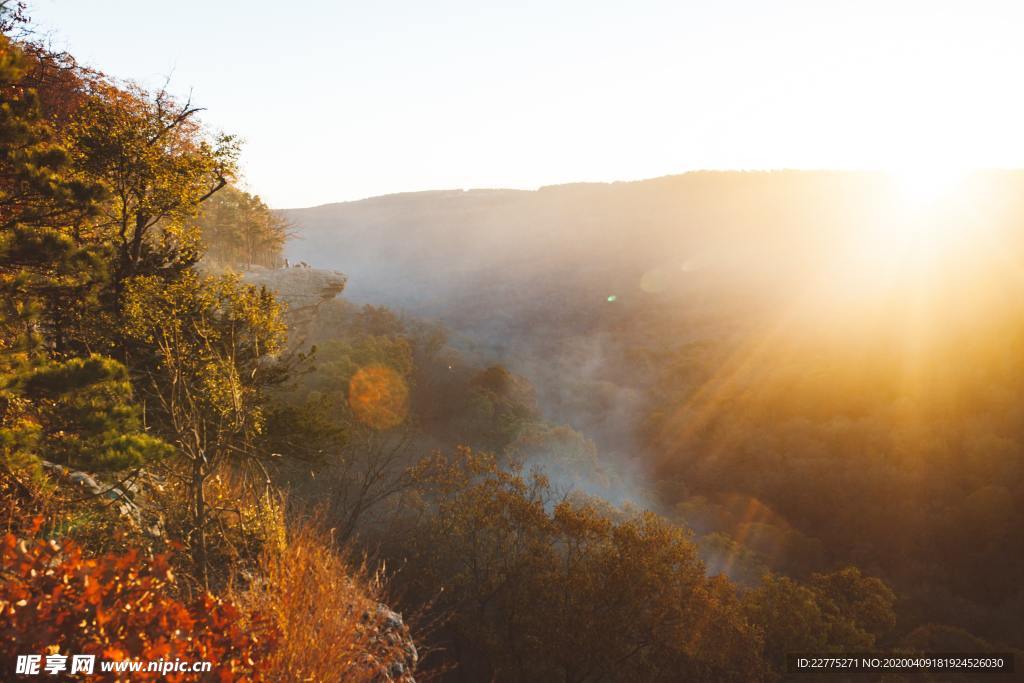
(141, 521)
(568, 434)
(743, 353)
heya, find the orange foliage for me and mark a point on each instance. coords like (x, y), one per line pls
(378, 396)
(117, 607)
(320, 605)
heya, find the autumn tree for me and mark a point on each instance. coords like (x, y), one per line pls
(840, 611)
(158, 164)
(215, 342)
(237, 228)
(101, 184)
(349, 419)
(542, 588)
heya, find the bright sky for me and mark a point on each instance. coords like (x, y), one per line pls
(341, 100)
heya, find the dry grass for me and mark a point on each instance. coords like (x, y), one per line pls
(331, 628)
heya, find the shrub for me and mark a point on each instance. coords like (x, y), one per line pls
(55, 600)
(332, 625)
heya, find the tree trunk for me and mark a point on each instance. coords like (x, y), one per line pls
(199, 521)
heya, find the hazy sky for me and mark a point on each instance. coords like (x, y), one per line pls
(343, 100)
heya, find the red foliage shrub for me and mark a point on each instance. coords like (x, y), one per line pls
(118, 607)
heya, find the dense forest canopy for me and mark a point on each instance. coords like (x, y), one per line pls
(668, 430)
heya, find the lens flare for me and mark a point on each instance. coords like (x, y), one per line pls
(378, 396)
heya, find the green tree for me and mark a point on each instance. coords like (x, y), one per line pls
(75, 411)
(42, 208)
(78, 413)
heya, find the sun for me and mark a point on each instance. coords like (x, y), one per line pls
(924, 210)
(920, 221)
(923, 186)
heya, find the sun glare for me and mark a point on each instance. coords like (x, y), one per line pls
(922, 186)
(923, 214)
(922, 219)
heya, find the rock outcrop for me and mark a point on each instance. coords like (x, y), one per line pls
(302, 289)
(392, 656)
(299, 287)
(123, 495)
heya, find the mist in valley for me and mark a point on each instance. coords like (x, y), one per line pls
(582, 289)
(713, 339)
(668, 429)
